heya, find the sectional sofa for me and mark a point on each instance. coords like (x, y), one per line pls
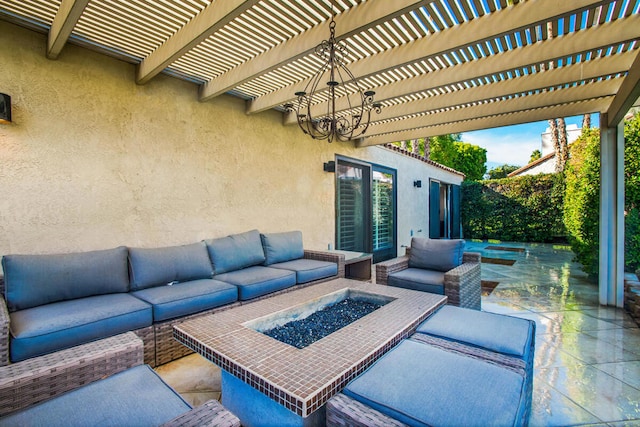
(54, 302)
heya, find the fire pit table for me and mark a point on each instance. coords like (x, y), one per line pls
(267, 382)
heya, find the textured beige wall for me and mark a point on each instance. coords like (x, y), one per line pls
(93, 160)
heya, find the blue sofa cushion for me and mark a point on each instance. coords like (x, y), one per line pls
(281, 247)
(33, 280)
(422, 385)
(418, 279)
(503, 334)
(52, 327)
(136, 396)
(185, 298)
(434, 254)
(236, 251)
(256, 281)
(160, 266)
(308, 270)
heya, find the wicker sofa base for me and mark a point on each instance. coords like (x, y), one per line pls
(40, 378)
(343, 411)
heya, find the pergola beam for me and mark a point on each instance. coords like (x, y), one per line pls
(354, 20)
(531, 102)
(564, 110)
(487, 27)
(205, 23)
(63, 24)
(627, 95)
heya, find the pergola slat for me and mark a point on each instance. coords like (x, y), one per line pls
(507, 119)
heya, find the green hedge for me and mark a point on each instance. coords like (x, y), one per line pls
(582, 199)
(521, 209)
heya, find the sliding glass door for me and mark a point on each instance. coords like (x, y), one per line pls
(444, 210)
(353, 212)
(365, 209)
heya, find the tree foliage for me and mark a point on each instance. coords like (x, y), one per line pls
(470, 160)
(449, 150)
(502, 171)
(443, 149)
(535, 155)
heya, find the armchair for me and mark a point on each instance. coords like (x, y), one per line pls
(436, 266)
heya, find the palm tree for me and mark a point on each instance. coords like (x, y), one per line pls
(586, 121)
(563, 143)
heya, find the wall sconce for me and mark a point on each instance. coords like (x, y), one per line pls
(417, 184)
(5, 108)
(329, 166)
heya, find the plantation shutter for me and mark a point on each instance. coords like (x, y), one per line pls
(434, 210)
(455, 211)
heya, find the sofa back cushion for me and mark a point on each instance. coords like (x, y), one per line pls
(161, 266)
(282, 247)
(236, 251)
(34, 280)
(433, 254)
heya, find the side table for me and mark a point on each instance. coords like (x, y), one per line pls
(357, 265)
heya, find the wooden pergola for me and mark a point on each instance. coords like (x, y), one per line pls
(437, 66)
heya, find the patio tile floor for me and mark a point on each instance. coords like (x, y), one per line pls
(587, 365)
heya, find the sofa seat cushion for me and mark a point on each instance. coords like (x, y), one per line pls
(496, 332)
(256, 281)
(422, 385)
(282, 247)
(136, 396)
(52, 327)
(186, 298)
(236, 251)
(34, 280)
(160, 266)
(418, 279)
(308, 270)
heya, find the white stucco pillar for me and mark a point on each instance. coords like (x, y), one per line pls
(611, 277)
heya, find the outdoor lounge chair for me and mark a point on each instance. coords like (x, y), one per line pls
(99, 383)
(436, 266)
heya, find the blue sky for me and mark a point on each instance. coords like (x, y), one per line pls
(513, 145)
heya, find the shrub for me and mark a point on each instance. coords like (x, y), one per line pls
(632, 240)
(582, 199)
(632, 193)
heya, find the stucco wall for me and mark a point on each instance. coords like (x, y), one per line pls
(93, 160)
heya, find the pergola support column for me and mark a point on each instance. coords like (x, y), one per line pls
(611, 276)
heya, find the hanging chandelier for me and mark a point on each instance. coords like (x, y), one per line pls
(332, 81)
